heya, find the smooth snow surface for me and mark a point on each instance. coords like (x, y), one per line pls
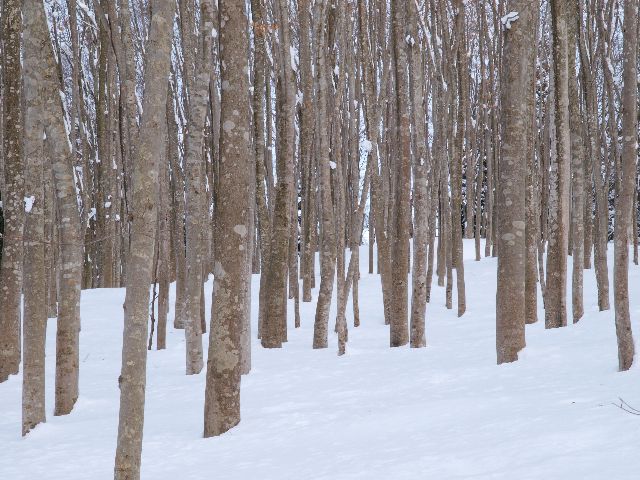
(442, 412)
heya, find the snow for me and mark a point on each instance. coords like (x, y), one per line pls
(28, 203)
(366, 146)
(443, 412)
(509, 18)
(293, 53)
(332, 164)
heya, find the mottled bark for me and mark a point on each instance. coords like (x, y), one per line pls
(421, 203)
(399, 332)
(35, 307)
(577, 166)
(517, 116)
(624, 200)
(275, 316)
(556, 298)
(328, 247)
(195, 189)
(13, 193)
(132, 379)
(234, 211)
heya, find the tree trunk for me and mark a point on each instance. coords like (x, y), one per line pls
(556, 298)
(517, 114)
(35, 306)
(624, 203)
(132, 379)
(13, 192)
(234, 212)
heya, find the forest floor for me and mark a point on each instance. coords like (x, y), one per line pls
(443, 412)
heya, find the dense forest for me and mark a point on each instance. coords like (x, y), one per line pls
(161, 145)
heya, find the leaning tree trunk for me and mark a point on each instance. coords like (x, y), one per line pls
(234, 212)
(143, 228)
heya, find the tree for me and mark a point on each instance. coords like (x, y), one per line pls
(626, 181)
(556, 290)
(399, 331)
(234, 216)
(132, 379)
(13, 193)
(35, 308)
(517, 115)
(195, 191)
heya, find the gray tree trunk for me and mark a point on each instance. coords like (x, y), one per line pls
(234, 211)
(140, 262)
(13, 192)
(624, 203)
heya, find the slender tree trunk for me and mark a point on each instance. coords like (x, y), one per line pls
(624, 203)
(195, 191)
(275, 318)
(328, 248)
(577, 167)
(556, 298)
(132, 379)
(421, 198)
(35, 308)
(399, 332)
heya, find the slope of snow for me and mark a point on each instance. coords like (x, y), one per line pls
(443, 412)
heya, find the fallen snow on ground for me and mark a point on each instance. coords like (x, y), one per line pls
(443, 412)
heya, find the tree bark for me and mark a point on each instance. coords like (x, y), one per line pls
(556, 298)
(132, 379)
(13, 192)
(234, 212)
(517, 115)
(624, 201)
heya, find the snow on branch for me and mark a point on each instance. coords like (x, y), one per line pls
(509, 18)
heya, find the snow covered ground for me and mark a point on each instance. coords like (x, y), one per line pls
(443, 412)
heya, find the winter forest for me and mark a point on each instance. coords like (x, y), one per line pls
(319, 239)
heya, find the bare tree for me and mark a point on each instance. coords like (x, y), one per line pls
(517, 116)
(624, 200)
(234, 217)
(140, 263)
(12, 192)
